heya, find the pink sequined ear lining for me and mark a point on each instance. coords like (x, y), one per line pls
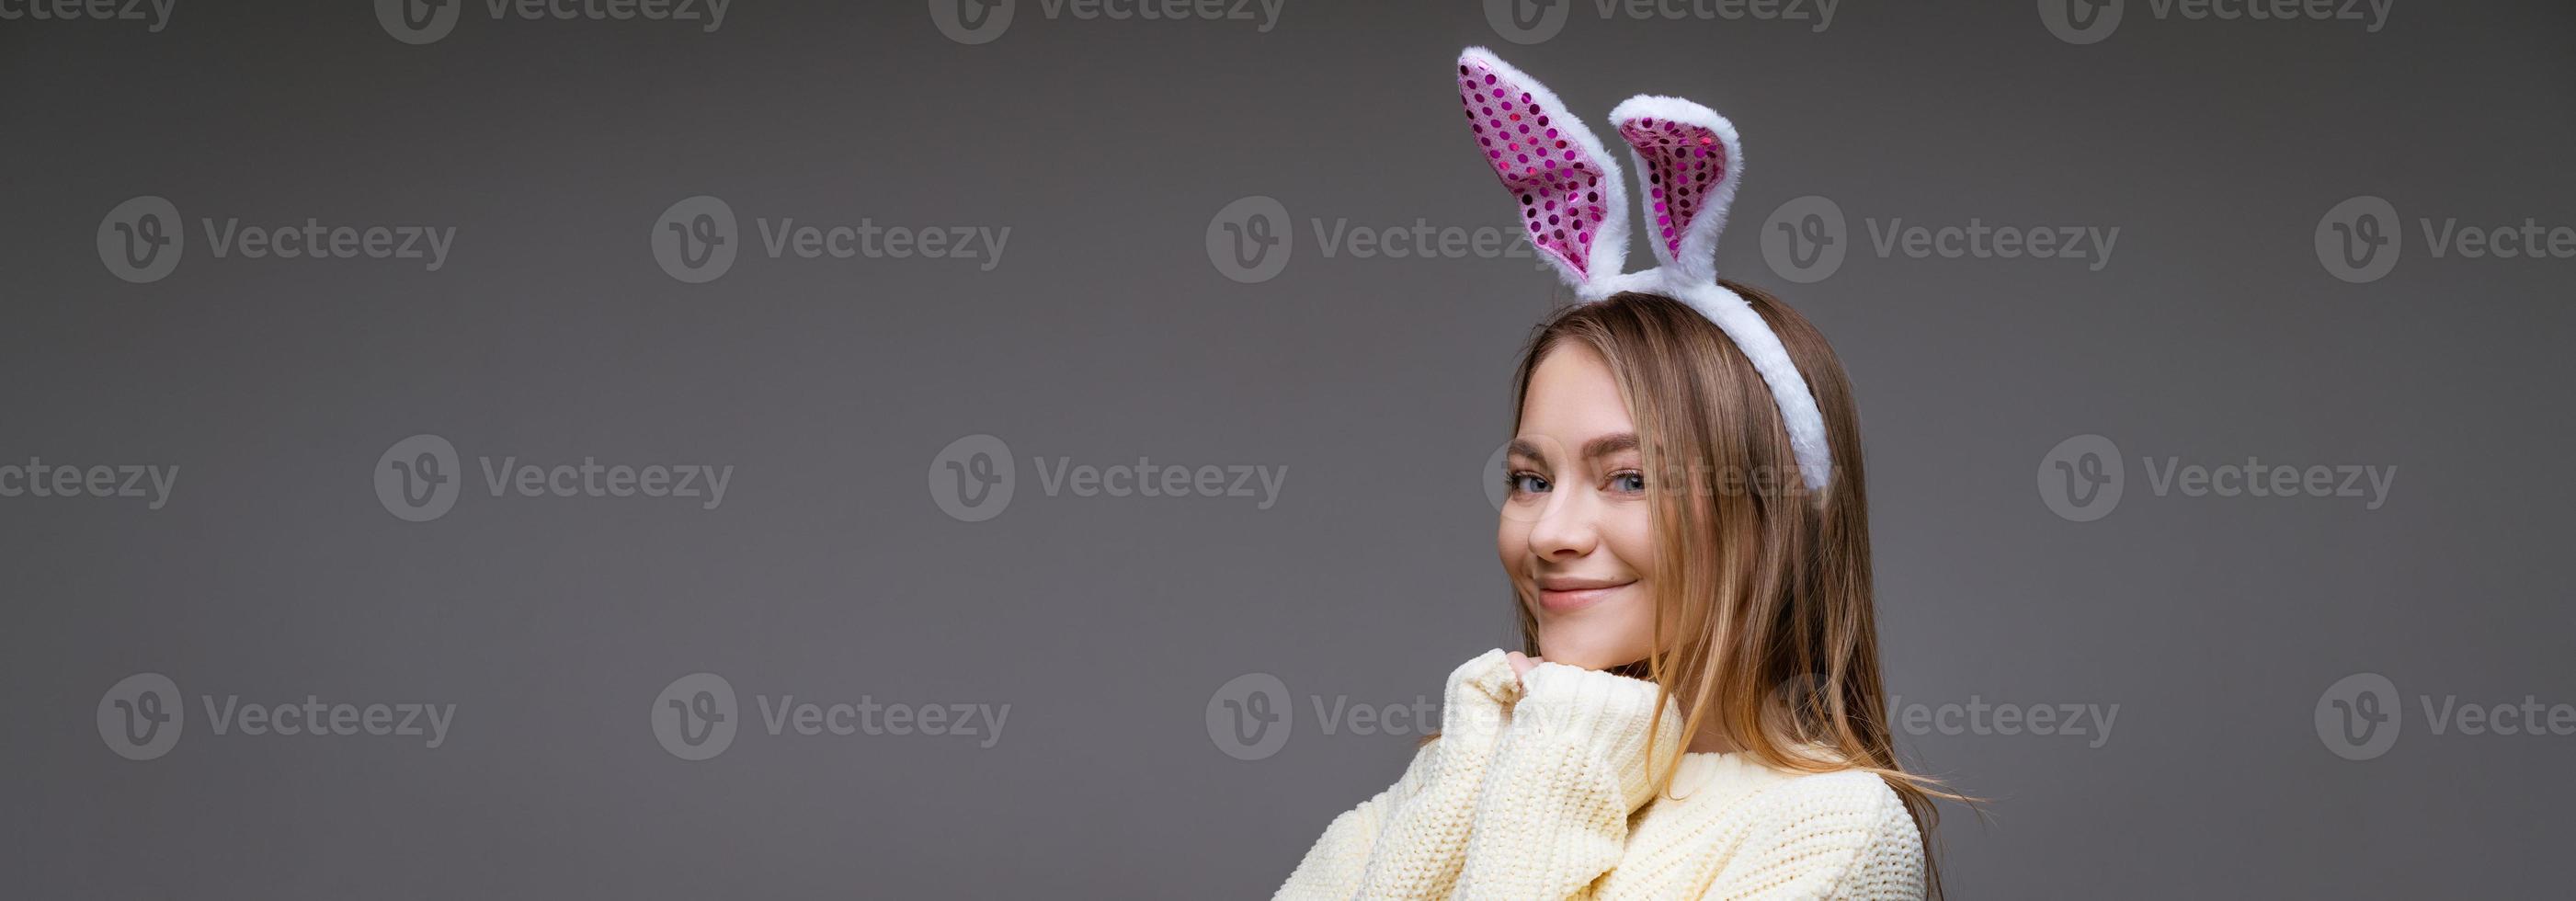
(1559, 190)
(1684, 163)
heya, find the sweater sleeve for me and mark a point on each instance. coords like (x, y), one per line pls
(1552, 815)
(1409, 840)
(1842, 836)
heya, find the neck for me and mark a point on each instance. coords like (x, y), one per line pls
(1711, 740)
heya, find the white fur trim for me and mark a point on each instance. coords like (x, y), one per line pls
(1609, 244)
(1805, 423)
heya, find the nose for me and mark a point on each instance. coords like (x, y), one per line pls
(1567, 527)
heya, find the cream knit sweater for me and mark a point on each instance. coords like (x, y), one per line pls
(1537, 790)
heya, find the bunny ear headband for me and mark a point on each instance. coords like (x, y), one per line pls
(1688, 163)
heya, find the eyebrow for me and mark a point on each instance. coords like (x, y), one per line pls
(1592, 450)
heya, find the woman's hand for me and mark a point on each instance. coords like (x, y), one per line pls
(1600, 715)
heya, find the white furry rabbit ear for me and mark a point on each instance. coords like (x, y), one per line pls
(1568, 186)
(1688, 164)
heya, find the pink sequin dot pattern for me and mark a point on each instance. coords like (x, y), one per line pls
(1684, 163)
(1559, 190)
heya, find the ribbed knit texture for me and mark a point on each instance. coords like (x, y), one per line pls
(1538, 789)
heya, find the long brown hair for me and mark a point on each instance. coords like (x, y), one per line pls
(1764, 622)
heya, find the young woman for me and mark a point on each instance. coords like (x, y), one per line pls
(1697, 709)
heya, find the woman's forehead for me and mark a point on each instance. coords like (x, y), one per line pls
(1573, 397)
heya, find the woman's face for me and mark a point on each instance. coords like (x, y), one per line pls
(1574, 534)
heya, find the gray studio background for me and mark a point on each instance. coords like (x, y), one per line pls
(1118, 629)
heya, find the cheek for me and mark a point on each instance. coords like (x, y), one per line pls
(1511, 544)
(1628, 533)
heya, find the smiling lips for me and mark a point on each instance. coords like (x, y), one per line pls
(1568, 594)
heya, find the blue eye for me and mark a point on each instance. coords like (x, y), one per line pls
(1524, 483)
(1631, 482)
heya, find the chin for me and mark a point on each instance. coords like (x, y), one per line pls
(1574, 645)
